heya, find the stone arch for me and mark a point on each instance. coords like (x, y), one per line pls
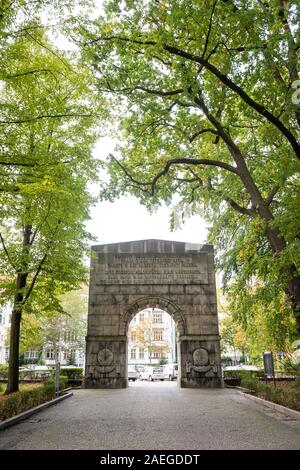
(128, 277)
(151, 302)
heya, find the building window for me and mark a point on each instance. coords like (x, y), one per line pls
(155, 354)
(133, 354)
(50, 354)
(1, 318)
(142, 316)
(158, 335)
(6, 354)
(69, 336)
(157, 317)
(70, 354)
(31, 355)
(133, 336)
(141, 353)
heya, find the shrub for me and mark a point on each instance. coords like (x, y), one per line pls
(73, 373)
(3, 371)
(242, 374)
(18, 402)
(289, 397)
(63, 382)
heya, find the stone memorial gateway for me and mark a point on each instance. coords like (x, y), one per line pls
(176, 277)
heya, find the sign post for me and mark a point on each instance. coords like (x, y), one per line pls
(57, 373)
(269, 366)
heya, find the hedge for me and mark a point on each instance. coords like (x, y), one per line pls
(73, 373)
(24, 400)
(289, 398)
(241, 374)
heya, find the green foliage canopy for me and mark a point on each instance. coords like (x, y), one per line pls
(203, 97)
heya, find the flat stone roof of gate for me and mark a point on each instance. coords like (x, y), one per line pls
(152, 246)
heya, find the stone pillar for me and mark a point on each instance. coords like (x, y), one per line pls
(106, 362)
(200, 362)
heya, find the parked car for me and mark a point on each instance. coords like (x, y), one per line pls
(132, 374)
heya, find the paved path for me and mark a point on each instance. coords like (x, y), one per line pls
(154, 416)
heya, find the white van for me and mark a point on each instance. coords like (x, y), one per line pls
(171, 371)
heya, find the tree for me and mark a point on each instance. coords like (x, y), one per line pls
(66, 331)
(204, 96)
(232, 336)
(146, 337)
(263, 318)
(49, 127)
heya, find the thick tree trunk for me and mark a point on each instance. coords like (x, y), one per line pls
(13, 367)
(293, 293)
(276, 241)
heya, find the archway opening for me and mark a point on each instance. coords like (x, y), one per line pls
(152, 354)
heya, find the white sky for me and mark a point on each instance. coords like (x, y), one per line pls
(126, 220)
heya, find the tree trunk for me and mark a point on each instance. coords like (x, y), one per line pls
(276, 241)
(13, 369)
(13, 366)
(22, 274)
(293, 293)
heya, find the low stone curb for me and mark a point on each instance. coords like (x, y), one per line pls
(20, 417)
(273, 406)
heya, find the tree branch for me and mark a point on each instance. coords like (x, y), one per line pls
(209, 28)
(6, 252)
(29, 72)
(202, 131)
(272, 194)
(223, 78)
(238, 208)
(242, 93)
(40, 266)
(169, 164)
(44, 116)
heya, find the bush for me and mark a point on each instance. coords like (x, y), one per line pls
(243, 374)
(289, 398)
(291, 366)
(72, 373)
(3, 371)
(226, 360)
(63, 382)
(18, 402)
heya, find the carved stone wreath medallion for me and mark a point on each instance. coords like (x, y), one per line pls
(201, 362)
(105, 357)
